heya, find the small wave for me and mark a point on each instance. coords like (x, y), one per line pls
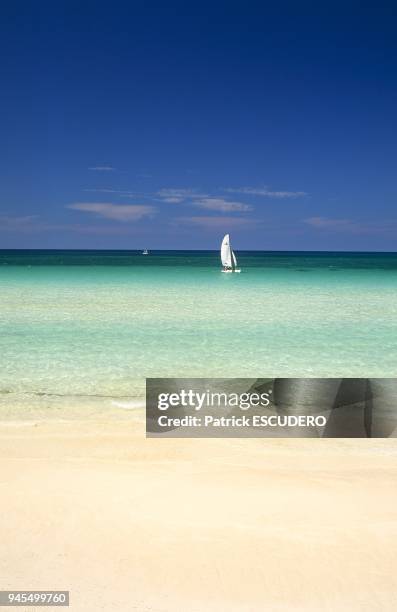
(128, 405)
(63, 395)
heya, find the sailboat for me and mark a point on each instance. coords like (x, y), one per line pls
(228, 258)
(145, 252)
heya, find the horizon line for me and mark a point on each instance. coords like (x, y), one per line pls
(200, 250)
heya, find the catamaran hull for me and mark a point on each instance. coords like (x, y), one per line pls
(230, 271)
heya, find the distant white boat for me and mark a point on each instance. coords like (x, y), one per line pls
(228, 258)
(145, 252)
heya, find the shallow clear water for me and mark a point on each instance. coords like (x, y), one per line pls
(83, 328)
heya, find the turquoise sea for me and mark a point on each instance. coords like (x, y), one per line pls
(80, 330)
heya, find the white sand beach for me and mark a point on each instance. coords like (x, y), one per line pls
(128, 523)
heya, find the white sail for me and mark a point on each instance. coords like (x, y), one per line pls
(234, 260)
(226, 252)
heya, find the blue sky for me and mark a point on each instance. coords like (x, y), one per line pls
(167, 124)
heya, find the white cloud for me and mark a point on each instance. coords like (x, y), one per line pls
(222, 205)
(265, 192)
(326, 222)
(34, 224)
(172, 200)
(223, 223)
(102, 168)
(116, 212)
(175, 196)
(120, 192)
(17, 223)
(348, 225)
(202, 200)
